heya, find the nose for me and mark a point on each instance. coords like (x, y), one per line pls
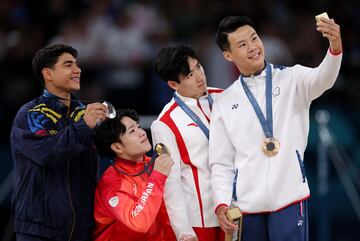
(76, 69)
(199, 74)
(141, 132)
(252, 47)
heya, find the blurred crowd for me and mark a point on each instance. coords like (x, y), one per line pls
(117, 40)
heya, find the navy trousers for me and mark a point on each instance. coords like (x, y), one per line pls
(288, 224)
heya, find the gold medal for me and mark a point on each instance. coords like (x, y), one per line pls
(161, 149)
(271, 146)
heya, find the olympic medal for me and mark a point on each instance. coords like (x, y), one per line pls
(271, 146)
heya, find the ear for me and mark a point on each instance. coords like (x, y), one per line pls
(228, 56)
(46, 73)
(117, 147)
(173, 84)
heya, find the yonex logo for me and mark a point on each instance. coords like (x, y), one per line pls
(276, 91)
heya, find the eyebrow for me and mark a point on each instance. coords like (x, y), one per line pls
(69, 62)
(243, 40)
(132, 126)
(195, 67)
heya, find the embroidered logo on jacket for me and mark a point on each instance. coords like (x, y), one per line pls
(276, 91)
(235, 106)
(114, 201)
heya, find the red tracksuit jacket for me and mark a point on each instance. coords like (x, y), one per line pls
(131, 208)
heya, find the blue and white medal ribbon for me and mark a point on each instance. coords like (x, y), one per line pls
(270, 145)
(192, 114)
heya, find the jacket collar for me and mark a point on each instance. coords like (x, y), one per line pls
(131, 166)
(192, 101)
(54, 103)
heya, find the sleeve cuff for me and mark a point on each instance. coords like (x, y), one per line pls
(220, 205)
(335, 53)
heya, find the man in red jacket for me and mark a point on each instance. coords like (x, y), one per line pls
(129, 197)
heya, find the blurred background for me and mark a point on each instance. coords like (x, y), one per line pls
(117, 40)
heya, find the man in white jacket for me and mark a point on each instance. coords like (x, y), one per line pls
(183, 127)
(258, 133)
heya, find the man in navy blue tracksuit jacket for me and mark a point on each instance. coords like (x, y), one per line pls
(54, 159)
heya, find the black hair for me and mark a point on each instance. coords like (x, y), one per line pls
(172, 60)
(228, 25)
(110, 131)
(47, 58)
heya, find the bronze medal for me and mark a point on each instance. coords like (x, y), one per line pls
(271, 146)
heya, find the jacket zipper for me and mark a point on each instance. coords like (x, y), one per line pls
(202, 111)
(71, 203)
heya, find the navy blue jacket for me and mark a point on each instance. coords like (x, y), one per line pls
(55, 170)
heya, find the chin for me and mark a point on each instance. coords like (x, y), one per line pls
(148, 147)
(75, 88)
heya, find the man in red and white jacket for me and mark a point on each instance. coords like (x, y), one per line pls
(129, 197)
(183, 127)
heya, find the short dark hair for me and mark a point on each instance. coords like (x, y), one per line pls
(47, 58)
(110, 130)
(228, 25)
(172, 60)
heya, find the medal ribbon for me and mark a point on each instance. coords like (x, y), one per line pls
(267, 125)
(192, 114)
(148, 167)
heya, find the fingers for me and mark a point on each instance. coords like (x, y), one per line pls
(226, 225)
(94, 113)
(163, 164)
(330, 30)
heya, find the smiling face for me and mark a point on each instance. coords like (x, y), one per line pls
(134, 142)
(192, 85)
(246, 50)
(64, 77)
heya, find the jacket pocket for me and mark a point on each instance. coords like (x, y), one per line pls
(302, 166)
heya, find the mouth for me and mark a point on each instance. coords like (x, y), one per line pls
(76, 79)
(144, 141)
(202, 84)
(255, 56)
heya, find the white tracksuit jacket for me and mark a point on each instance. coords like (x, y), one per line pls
(266, 184)
(188, 195)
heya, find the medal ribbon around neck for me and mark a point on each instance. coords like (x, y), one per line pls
(111, 111)
(192, 114)
(266, 124)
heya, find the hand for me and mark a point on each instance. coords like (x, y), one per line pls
(331, 31)
(94, 113)
(226, 225)
(163, 164)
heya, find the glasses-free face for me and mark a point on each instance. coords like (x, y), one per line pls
(246, 50)
(134, 142)
(64, 77)
(192, 85)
